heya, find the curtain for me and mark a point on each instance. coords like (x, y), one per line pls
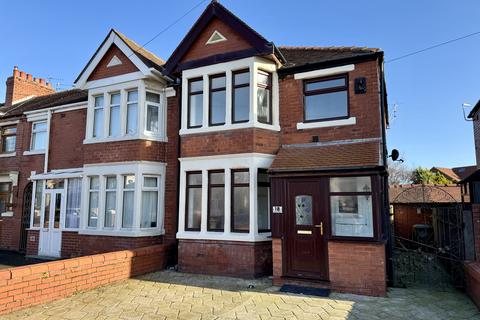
(149, 209)
(74, 195)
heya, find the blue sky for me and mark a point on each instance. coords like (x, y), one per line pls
(57, 38)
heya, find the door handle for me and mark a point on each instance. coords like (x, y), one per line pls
(321, 227)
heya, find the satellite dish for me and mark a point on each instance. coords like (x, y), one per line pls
(395, 154)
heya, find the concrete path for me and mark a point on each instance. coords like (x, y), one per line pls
(171, 295)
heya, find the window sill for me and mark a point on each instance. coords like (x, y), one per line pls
(230, 126)
(33, 152)
(125, 138)
(325, 124)
(6, 155)
(123, 233)
(215, 235)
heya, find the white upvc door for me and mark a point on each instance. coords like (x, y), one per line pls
(51, 231)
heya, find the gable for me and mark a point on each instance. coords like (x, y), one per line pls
(106, 69)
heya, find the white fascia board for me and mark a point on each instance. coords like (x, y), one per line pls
(132, 76)
(9, 123)
(324, 72)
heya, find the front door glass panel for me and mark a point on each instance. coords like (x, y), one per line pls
(46, 211)
(303, 209)
(58, 204)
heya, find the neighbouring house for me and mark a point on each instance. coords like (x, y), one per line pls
(244, 158)
(455, 175)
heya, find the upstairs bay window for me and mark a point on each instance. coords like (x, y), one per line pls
(241, 96)
(98, 117)
(153, 112)
(326, 99)
(132, 112)
(264, 97)
(39, 136)
(195, 103)
(218, 100)
(114, 130)
(8, 139)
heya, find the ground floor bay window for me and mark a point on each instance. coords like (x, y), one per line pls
(225, 198)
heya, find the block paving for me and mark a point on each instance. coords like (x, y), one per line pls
(173, 295)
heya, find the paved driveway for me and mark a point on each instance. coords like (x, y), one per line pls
(172, 295)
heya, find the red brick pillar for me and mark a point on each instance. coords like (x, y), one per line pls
(476, 229)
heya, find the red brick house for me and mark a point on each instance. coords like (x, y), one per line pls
(246, 159)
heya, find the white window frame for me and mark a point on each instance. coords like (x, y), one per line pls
(138, 169)
(161, 114)
(254, 65)
(38, 131)
(141, 86)
(155, 189)
(251, 161)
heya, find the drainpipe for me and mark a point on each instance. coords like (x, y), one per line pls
(47, 146)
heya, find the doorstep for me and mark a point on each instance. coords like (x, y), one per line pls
(322, 284)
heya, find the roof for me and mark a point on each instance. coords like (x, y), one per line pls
(261, 46)
(418, 193)
(43, 102)
(474, 110)
(455, 174)
(148, 58)
(328, 157)
(302, 56)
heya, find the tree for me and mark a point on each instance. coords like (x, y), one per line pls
(425, 176)
(399, 173)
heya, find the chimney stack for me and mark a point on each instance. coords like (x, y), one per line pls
(22, 85)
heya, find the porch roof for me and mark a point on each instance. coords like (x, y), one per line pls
(329, 157)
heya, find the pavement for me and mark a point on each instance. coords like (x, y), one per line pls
(169, 295)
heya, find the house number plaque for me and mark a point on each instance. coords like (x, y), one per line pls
(277, 209)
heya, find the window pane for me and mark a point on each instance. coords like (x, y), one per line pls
(263, 79)
(196, 85)
(98, 123)
(46, 212)
(39, 140)
(352, 216)
(196, 110)
(9, 143)
(218, 106)
(326, 105)
(111, 183)
(218, 82)
(194, 208)
(37, 206)
(93, 210)
(217, 178)
(114, 121)
(351, 184)
(127, 216)
(74, 197)
(40, 126)
(153, 97)
(241, 102)
(99, 102)
(132, 118)
(55, 184)
(325, 84)
(94, 183)
(152, 118)
(149, 209)
(303, 210)
(56, 212)
(241, 208)
(10, 130)
(4, 186)
(216, 208)
(242, 78)
(129, 182)
(263, 207)
(150, 182)
(194, 179)
(115, 98)
(263, 105)
(132, 96)
(110, 208)
(241, 177)
(263, 176)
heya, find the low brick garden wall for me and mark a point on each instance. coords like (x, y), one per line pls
(26, 286)
(472, 281)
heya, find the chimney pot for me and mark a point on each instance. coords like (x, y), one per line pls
(15, 72)
(22, 75)
(29, 77)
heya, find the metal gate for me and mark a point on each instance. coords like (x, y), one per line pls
(433, 254)
(27, 207)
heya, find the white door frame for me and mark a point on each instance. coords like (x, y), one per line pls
(50, 239)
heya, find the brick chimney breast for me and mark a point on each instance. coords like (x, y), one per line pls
(22, 85)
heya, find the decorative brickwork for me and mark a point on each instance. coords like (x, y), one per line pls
(22, 287)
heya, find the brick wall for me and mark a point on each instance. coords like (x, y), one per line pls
(23, 287)
(472, 281)
(228, 258)
(357, 267)
(235, 42)
(102, 71)
(277, 257)
(119, 151)
(229, 142)
(364, 107)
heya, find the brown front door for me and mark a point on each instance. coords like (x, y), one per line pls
(306, 228)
